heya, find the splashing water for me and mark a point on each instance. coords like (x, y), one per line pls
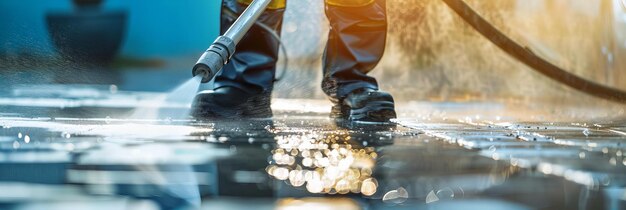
(174, 105)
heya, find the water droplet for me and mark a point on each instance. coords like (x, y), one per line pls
(19, 135)
(445, 193)
(27, 139)
(396, 196)
(16, 145)
(586, 132)
(291, 27)
(210, 138)
(222, 139)
(66, 135)
(431, 197)
(113, 89)
(495, 156)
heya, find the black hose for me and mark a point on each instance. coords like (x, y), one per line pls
(529, 58)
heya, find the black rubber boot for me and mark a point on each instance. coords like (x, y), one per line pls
(243, 88)
(231, 103)
(364, 105)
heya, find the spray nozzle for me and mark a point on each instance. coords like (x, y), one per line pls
(204, 71)
(214, 58)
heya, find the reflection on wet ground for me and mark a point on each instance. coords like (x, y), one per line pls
(80, 151)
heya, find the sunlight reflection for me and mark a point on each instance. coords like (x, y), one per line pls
(324, 163)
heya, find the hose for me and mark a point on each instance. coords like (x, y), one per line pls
(274, 34)
(527, 57)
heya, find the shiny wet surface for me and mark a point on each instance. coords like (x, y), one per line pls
(80, 150)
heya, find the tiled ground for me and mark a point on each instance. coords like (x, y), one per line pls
(76, 148)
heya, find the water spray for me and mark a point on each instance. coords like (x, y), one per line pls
(209, 64)
(223, 48)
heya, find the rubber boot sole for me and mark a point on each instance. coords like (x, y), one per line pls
(206, 107)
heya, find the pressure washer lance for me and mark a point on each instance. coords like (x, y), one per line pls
(223, 48)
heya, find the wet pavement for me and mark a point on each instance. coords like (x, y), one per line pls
(75, 147)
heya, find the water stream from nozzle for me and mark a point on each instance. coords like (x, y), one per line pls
(176, 104)
(173, 105)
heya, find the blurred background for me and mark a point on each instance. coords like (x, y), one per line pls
(431, 53)
(137, 45)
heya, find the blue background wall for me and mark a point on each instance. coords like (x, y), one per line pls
(156, 28)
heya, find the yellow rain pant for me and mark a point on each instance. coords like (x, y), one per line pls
(349, 3)
(280, 4)
(275, 4)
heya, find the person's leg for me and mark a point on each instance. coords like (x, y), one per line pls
(253, 65)
(243, 87)
(356, 43)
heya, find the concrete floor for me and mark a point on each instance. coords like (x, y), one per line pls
(74, 147)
